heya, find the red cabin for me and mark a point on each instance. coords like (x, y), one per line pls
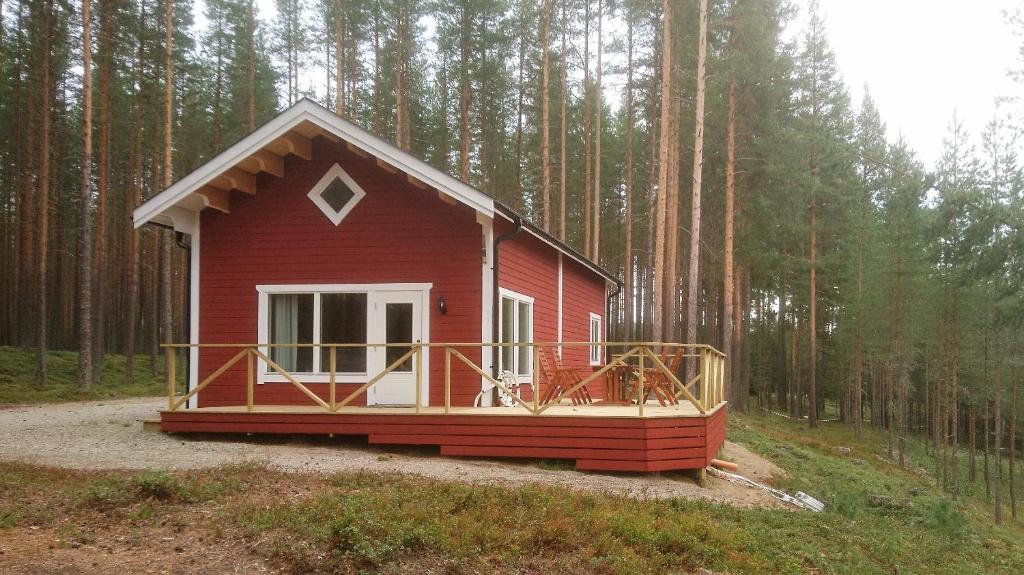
(332, 273)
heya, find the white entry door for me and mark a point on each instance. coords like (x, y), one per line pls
(395, 317)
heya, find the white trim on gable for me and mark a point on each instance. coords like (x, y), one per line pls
(316, 194)
(306, 111)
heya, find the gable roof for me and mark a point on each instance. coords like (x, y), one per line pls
(191, 193)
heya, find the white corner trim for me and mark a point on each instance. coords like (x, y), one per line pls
(486, 300)
(316, 194)
(195, 257)
(559, 304)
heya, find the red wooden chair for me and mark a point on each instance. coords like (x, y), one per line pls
(656, 382)
(559, 380)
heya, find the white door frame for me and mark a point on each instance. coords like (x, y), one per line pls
(264, 291)
(376, 334)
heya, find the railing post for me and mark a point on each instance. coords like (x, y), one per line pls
(535, 387)
(171, 383)
(419, 376)
(705, 379)
(447, 379)
(334, 379)
(249, 381)
(721, 378)
(641, 394)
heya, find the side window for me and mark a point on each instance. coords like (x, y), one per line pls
(516, 327)
(595, 336)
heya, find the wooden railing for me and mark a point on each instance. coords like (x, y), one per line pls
(705, 390)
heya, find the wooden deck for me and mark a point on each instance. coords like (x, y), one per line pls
(597, 437)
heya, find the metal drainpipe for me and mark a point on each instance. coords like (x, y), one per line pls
(179, 238)
(495, 297)
(608, 318)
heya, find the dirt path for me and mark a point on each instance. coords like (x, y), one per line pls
(109, 435)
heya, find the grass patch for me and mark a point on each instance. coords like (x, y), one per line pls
(18, 384)
(878, 519)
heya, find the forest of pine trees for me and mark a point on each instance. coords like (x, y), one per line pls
(689, 146)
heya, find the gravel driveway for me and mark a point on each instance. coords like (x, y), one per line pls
(109, 435)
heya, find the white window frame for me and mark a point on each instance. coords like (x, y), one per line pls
(263, 375)
(518, 298)
(595, 350)
(316, 194)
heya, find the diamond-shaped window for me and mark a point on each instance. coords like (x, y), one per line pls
(336, 194)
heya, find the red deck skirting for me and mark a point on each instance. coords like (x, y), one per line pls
(595, 443)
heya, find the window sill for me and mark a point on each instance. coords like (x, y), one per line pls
(315, 378)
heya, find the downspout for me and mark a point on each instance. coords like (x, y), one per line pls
(608, 318)
(495, 296)
(179, 238)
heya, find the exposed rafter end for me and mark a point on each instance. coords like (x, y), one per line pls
(215, 198)
(297, 145)
(269, 162)
(356, 150)
(446, 198)
(236, 179)
(386, 166)
(417, 182)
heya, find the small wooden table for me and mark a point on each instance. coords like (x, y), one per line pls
(617, 382)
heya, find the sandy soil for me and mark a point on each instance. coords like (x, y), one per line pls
(109, 435)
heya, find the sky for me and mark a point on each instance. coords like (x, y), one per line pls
(921, 60)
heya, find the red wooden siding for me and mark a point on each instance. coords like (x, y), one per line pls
(529, 266)
(397, 233)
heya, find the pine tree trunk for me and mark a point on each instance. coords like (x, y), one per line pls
(596, 192)
(781, 364)
(517, 192)
(628, 317)
(85, 324)
(693, 273)
(563, 120)
(672, 289)
(43, 197)
(166, 239)
(660, 215)
(545, 123)
(134, 245)
(972, 422)
(464, 95)
(998, 424)
(100, 270)
(587, 134)
(1013, 437)
(728, 285)
(339, 57)
(377, 88)
(250, 31)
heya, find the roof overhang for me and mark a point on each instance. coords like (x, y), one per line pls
(512, 216)
(290, 132)
(210, 185)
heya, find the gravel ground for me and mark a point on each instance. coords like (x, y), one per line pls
(109, 435)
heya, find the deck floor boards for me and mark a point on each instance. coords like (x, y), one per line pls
(600, 437)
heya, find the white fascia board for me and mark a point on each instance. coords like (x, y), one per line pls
(402, 160)
(306, 110)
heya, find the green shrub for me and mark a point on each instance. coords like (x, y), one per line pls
(945, 518)
(158, 485)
